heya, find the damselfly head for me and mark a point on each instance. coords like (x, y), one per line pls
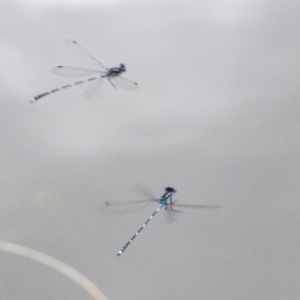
(122, 67)
(170, 189)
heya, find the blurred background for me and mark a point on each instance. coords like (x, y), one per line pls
(216, 115)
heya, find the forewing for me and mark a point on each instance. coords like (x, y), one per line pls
(198, 206)
(83, 54)
(74, 72)
(145, 191)
(121, 207)
(125, 83)
(93, 91)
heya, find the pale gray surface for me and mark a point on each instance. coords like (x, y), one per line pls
(216, 115)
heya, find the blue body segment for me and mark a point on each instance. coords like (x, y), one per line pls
(120, 252)
(165, 199)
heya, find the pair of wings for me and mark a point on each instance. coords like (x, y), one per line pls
(131, 206)
(85, 56)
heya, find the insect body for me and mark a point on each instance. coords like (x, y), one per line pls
(113, 75)
(164, 201)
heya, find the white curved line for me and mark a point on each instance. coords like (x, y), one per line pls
(55, 264)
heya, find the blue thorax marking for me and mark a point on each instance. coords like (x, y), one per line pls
(116, 71)
(164, 198)
(113, 72)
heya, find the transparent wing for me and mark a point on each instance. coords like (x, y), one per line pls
(93, 90)
(81, 53)
(74, 72)
(125, 83)
(120, 207)
(171, 214)
(111, 82)
(140, 188)
(197, 206)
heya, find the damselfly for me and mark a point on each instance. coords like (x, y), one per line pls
(164, 201)
(113, 75)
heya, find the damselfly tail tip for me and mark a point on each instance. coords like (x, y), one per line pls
(32, 100)
(120, 252)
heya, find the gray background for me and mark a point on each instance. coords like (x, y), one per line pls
(216, 115)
